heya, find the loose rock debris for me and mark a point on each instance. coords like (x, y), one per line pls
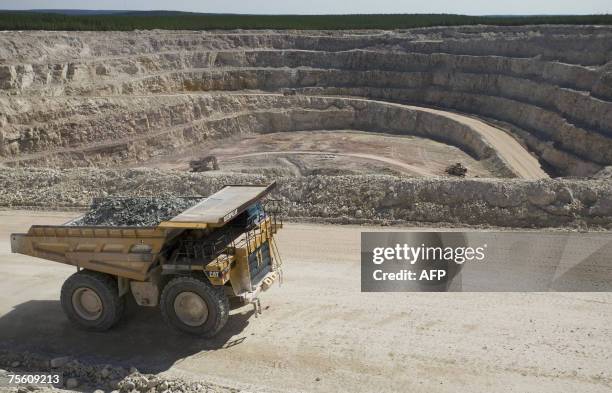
(338, 199)
(96, 377)
(134, 211)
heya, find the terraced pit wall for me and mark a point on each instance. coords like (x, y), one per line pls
(552, 85)
(186, 120)
(109, 99)
(340, 199)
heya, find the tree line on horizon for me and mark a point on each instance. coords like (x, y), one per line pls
(14, 20)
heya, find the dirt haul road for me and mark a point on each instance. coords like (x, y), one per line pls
(319, 333)
(509, 149)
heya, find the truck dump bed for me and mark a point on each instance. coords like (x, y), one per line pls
(131, 251)
(219, 208)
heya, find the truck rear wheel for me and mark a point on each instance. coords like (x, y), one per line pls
(193, 305)
(91, 300)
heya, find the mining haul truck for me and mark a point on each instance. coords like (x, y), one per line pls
(191, 265)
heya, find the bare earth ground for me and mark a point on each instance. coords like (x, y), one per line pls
(319, 333)
(328, 152)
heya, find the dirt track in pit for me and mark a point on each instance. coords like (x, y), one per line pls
(516, 156)
(340, 151)
(319, 333)
(510, 150)
(406, 167)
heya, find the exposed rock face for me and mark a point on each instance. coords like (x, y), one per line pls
(551, 84)
(65, 139)
(342, 199)
(104, 99)
(605, 173)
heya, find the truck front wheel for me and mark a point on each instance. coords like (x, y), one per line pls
(193, 305)
(91, 300)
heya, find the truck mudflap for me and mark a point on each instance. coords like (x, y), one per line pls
(252, 297)
(17, 243)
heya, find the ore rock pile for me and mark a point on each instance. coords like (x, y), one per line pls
(133, 211)
(516, 203)
(78, 376)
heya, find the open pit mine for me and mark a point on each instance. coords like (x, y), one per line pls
(423, 129)
(357, 125)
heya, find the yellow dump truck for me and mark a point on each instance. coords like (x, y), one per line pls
(190, 266)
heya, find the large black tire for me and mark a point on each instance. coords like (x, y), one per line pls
(105, 294)
(195, 289)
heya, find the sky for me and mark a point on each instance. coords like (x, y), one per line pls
(473, 7)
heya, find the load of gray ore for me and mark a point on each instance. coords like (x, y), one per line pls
(130, 211)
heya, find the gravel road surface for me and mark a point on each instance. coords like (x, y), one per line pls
(319, 333)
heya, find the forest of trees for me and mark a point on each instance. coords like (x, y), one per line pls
(193, 21)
